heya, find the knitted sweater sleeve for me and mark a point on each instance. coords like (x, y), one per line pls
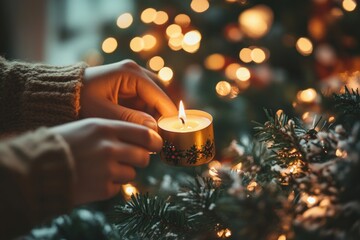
(36, 168)
(34, 95)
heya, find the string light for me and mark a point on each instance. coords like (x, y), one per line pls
(237, 167)
(311, 200)
(129, 190)
(124, 20)
(165, 74)
(149, 42)
(282, 237)
(182, 20)
(307, 96)
(331, 119)
(175, 43)
(224, 233)
(245, 55)
(223, 88)
(137, 44)
(148, 15)
(255, 22)
(173, 31)
(243, 74)
(156, 63)
(231, 69)
(304, 46)
(161, 18)
(252, 186)
(199, 6)
(192, 37)
(258, 55)
(349, 5)
(340, 153)
(214, 61)
(109, 45)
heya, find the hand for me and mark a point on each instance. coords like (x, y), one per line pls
(105, 154)
(123, 91)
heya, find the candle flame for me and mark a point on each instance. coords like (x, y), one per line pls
(182, 115)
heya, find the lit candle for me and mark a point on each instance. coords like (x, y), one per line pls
(188, 137)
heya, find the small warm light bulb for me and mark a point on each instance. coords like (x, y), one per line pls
(161, 18)
(282, 237)
(156, 63)
(165, 74)
(148, 15)
(182, 20)
(137, 44)
(224, 233)
(192, 37)
(175, 43)
(223, 88)
(243, 74)
(245, 55)
(311, 200)
(149, 41)
(173, 31)
(258, 55)
(255, 22)
(109, 45)
(214, 164)
(199, 6)
(349, 5)
(307, 96)
(182, 114)
(214, 61)
(129, 189)
(124, 20)
(304, 46)
(231, 69)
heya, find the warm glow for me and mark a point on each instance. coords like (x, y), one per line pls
(148, 15)
(192, 37)
(175, 43)
(223, 88)
(129, 189)
(214, 164)
(252, 186)
(161, 18)
(109, 45)
(233, 33)
(165, 74)
(190, 48)
(156, 63)
(331, 119)
(230, 71)
(304, 46)
(124, 20)
(245, 55)
(282, 237)
(341, 153)
(182, 20)
(214, 61)
(308, 95)
(255, 22)
(349, 5)
(311, 200)
(199, 6)
(137, 44)
(243, 74)
(149, 41)
(258, 55)
(182, 114)
(224, 233)
(173, 31)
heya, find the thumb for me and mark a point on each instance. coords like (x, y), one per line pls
(135, 116)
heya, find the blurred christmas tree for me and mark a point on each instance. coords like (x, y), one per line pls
(232, 58)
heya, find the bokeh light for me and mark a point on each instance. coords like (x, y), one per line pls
(137, 44)
(258, 55)
(304, 46)
(175, 43)
(243, 74)
(245, 55)
(124, 20)
(161, 18)
(255, 22)
(192, 37)
(149, 41)
(182, 20)
(214, 61)
(224, 233)
(148, 15)
(349, 5)
(165, 74)
(231, 69)
(307, 96)
(199, 6)
(109, 45)
(173, 31)
(282, 237)
(223, 88)
(156, 63)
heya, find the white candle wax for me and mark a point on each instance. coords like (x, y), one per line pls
(192, 123)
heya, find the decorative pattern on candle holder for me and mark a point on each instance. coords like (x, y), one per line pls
(191, 155)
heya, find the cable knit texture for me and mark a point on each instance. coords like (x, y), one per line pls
(34, 95)
(36, 168)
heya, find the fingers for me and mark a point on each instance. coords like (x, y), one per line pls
(139, 117)
(132, 155)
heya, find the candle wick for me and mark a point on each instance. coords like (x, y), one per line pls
(182, 120)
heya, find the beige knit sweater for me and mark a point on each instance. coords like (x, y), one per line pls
(36, 167)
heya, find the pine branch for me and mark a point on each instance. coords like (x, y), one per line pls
(348, 102)
(151, 217)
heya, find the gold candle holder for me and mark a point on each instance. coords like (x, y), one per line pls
(187, 143)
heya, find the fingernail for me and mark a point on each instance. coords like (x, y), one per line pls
(150, 124)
